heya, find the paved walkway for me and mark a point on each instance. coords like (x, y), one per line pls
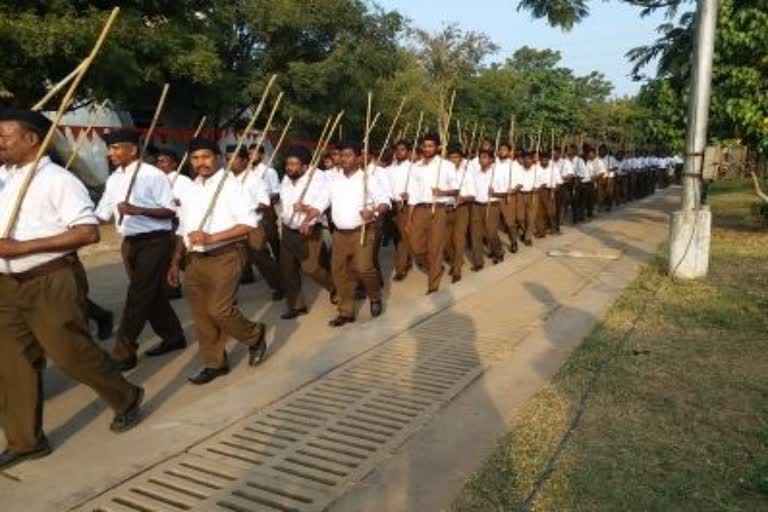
(353, 418)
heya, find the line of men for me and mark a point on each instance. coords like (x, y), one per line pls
(214, 226)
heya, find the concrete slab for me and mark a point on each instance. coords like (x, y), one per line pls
(88, 460)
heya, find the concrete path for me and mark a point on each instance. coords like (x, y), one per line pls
(475, 351)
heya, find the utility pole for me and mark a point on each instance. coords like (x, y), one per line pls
(690, 231)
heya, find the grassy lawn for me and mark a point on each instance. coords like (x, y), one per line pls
(664, 407)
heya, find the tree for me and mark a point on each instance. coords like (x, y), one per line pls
(567, 13)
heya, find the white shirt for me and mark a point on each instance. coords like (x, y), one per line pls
(464, 180)
(179, 183)
(596, 168)
(255, 192)
(482, 179)
(424, 176)
(611, 165)
(380, 175)
(316, 196)
(269, 175)
(525, 177)
(547, 176)
(345, 198)
(503, 174)
(55, 202)
(565, 167)
(4, 176)
(397, 175)
(580, 169)
(232, 208)
(151, 190)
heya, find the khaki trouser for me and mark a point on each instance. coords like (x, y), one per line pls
(485, 226)
(302, 254)
(351, 263)
(509, 215)
(211, 282)
(260, 256)
(457, 224)
(547, 214)
(427, 236)
(600, 193)
(44, 317)
(403, 250)
(146, 263)
(527, 209)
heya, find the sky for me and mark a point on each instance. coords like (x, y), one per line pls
(597, 44)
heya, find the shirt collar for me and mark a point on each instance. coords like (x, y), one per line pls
(24, 168)
(214, 178)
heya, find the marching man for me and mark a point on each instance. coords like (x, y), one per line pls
(42, 301)
(212, 244)
(356, 199)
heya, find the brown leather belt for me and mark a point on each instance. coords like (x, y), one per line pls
(218, 251)
(429, 205)
(46, 268)
(348, 231)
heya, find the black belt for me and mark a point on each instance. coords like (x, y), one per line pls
(429, 205)
(218, 251)
(149, 235)
(46, 268)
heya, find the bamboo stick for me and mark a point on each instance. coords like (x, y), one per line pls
(413, 153)
(143, 151)
(391, 129)
(186, 153)
(84, 134)
(263, 135)
(279, 142)
(323, 134)
(70, 94)
(56, 88)
(444, 148)
(493, 173)
(368, 129)
(231, 162)
(512, 130)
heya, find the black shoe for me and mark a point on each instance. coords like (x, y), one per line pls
(376, 308)
(166, 346)
(131, 417)
(341, 320)
(360, 293)
(334, 298)
(206, 375)
(247, 278)
(105, 325)
(431, 291)
(477, 268)
(400, 276)
(277, 296)
(293, 313)
(173, 293)
(513, 248)
(257, 352)
(528, 243)
(126, 364)
(455, 279)
(9, 458)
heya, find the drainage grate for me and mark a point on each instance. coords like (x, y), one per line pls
(304, 451)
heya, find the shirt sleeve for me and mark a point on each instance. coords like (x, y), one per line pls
(75, 207)
(378, 190)
(106, 206)
(319, 194)
(273, 181)
(240, 205)
(162, 192)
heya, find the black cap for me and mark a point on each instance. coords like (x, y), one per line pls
(167, 152)
(199, 143)
(454, 148)
(254, 146)
(243, 153)
(122, 136)
(35, 121)
(299, 152)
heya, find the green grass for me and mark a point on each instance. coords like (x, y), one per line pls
(676, 386)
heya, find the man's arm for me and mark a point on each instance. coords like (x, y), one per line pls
(69, 241)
